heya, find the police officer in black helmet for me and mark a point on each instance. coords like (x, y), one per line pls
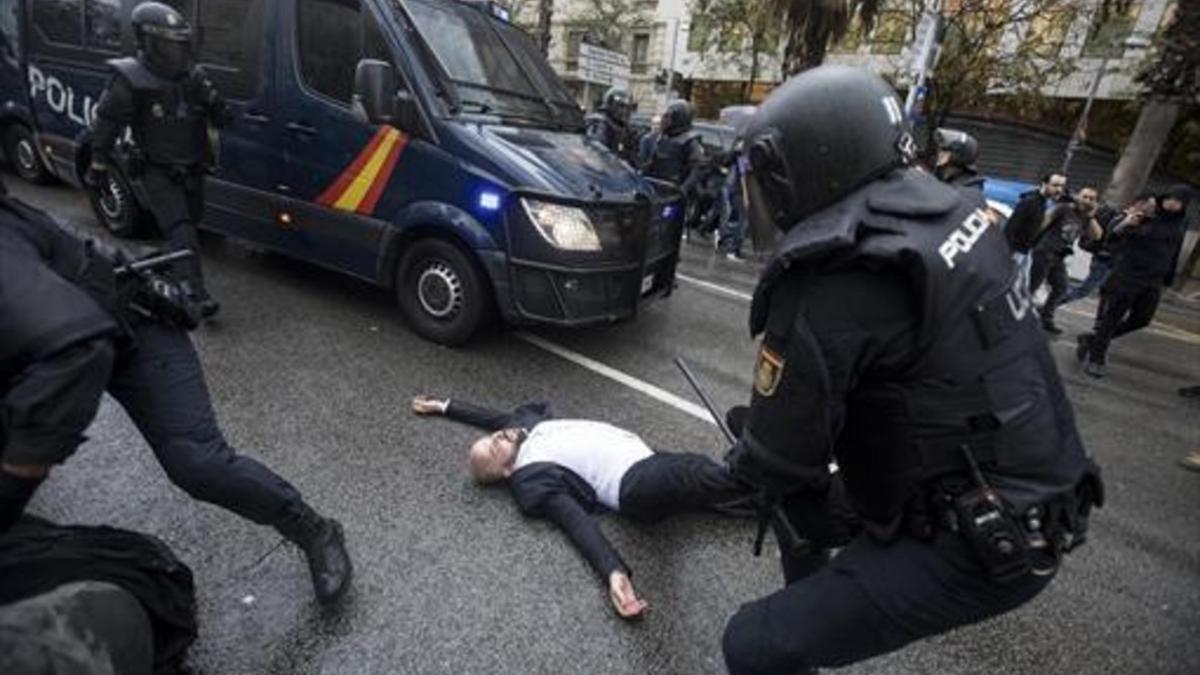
(678, 152)
(898, 341)
(609, 126)
(957, 152)
(168, 102)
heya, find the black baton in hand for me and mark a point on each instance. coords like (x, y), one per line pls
(771, 512)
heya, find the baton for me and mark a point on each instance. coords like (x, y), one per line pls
(798, 545)
(152, 262)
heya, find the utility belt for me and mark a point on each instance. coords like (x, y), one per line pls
(1009, 544)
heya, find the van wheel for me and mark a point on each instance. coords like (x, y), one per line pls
(441, 292)
(21, 150)
(116, 207)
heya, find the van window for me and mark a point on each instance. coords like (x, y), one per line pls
(104, 25)
(59, 22)
(230, 39)
(10, 29)
(333, 36)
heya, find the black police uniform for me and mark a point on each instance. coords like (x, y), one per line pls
(896, 334)
(169, 119)
(608, 132)
(898, 340)
(678, 159)
(156, 377)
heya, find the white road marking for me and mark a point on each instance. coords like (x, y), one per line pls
(654, 392)
(1155, 328)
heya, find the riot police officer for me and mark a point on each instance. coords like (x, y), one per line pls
(73, 331)
(609, 126)
(168, 102)
(678, 154)
(898, 340)
(957, 152)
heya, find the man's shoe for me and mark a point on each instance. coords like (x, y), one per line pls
(1082, 344)
(734, 257)
(1094, 369)
(1191, 461)
(324, 546)
(209, 307)
(1190, 392)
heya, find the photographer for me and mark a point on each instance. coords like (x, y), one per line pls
(1067, 222)
(1105, 250)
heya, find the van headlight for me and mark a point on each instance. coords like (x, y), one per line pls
(565, 227)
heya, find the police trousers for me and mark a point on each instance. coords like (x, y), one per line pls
(176, 199)
(871, 599)
(161, 385)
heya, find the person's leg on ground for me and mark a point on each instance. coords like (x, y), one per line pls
(1056, 276)
(1039, 266)
(161, 385)
(668, 483)
(1141, 311)
(1097, 274)
(1114, 305)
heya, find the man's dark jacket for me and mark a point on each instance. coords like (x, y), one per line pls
(1025, 222)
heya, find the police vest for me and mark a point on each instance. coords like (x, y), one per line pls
(43, 306)
(169, 125)
(671, 156)
(982, 378)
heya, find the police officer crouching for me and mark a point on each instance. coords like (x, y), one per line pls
(609, 126)
(957, 152)
(898, 340)
(78, 321)
(168, 102)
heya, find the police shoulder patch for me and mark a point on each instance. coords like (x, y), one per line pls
(768, 372)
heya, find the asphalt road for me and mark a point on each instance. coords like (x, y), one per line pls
(312, 373)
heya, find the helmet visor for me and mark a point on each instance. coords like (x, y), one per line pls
(172, 57)
(762, 211)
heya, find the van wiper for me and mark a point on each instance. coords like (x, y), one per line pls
(480, 106)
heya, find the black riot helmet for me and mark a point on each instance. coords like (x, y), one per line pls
(677, 118)
(617, 105)
(818, 137)
(961, 147)
(164, 39)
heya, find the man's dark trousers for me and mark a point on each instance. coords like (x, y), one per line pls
(1122, 310)
(1049, 267)
(873, 598)
(161, 385)
(667, 483)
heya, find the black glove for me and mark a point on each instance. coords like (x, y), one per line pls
(157, 297)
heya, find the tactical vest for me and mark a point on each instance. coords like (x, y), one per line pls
(671, 153)
(982, 376)
(169, 126)
(44, 306)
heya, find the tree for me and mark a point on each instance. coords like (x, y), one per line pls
(812, 25)
(1171, 79)
(740, 30)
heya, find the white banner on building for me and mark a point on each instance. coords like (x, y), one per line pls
(603, 66)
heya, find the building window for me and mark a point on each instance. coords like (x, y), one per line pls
(574, 39)
(698, 33)
(730, 40)
(639, 55)
(892, 32)
(1106, 35)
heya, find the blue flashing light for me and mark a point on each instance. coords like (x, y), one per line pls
(489, 200)
(501, 13)
(668, 212)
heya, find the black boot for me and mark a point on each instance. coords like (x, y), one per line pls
(324, 546)
(1083, 345)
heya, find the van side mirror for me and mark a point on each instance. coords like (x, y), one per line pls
(374, 89)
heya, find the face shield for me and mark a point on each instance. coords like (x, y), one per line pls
(169, 50)
(761, 212)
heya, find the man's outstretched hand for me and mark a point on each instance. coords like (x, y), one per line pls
(624, 598)
(427, 405)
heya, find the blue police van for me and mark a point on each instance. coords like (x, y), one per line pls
(423, 145)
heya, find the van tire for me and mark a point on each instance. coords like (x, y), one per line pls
(441, 292)
(21, 150)
(116, 208)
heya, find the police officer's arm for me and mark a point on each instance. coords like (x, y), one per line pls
(215, 105)
(113, 114)
(695, 165)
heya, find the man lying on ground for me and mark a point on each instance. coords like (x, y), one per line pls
(564, 469)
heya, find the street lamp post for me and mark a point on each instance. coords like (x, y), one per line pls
(1080, 126)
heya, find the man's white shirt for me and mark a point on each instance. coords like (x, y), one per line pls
(598, 453)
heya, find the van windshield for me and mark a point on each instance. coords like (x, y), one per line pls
(495, 66)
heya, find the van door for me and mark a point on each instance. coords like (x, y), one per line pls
(243, 198)
(339, 165)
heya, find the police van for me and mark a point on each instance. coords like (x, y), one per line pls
(423, 145)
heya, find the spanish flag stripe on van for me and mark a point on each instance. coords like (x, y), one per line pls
(360, 186)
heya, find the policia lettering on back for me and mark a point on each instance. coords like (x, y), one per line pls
(896, 341)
